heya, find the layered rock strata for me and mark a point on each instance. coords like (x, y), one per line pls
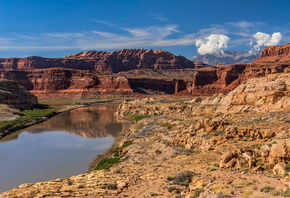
(275, 54)
(11, 93)
(269, 93)
(103, 62)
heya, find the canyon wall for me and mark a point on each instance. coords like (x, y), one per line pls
(130, 71)
(66, 83)
(103, 62)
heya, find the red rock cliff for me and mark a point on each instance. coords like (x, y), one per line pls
(275, 54)
(59, 82)
(103, 62)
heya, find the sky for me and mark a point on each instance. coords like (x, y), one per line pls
(56, 28)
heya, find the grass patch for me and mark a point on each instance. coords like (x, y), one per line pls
(109, 162)
(168, 125)
(267, 189)
(35, 114)
(137, 117)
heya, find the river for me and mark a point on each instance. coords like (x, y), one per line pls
(59, 147)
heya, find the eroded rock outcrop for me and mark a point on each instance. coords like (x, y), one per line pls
(275, 54)
(11, 93)
(269, 93)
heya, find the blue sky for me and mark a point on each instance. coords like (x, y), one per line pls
(55, 28)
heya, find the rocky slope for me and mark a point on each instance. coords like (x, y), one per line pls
(270, 93)
(227, 57)
(103, 62)
(11, 93)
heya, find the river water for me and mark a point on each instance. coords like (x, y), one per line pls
(60, 147)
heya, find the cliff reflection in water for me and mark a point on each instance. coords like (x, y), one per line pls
(91, 122)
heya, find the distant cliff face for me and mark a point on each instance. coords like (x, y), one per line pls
(103, 62)
(275, 54)
(11, 93)
(228, 57)
(143, 71)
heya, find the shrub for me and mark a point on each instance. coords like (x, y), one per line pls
(109, 162)
(183, 178)
(197, 193)
(109, 186)
(267, 189)
(171, 188)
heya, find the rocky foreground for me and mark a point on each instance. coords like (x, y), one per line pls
(234, 145)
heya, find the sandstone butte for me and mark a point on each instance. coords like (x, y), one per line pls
(234, 143)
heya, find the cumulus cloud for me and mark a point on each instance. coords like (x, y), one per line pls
(212, 44)
(263, 39)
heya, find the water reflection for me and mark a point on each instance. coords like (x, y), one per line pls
(91, 122)
(60, 147)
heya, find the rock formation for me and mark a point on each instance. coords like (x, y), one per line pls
(92, 73)
(103, 62)
(269, 93)
(11, 93)
(61, 82)
(275, 54)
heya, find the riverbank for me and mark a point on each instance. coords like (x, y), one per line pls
(181, 149)
(46, 109)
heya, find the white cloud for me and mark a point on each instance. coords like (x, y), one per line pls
(212, 44)
(159, 17)
(152, 36)
(153, 31)
(242, 24)
(263, 39)
(103, 22)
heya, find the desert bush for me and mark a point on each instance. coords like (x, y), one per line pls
(267, 189)
(183, 178)
(197, 193)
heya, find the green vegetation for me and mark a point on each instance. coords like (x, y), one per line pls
(275, 192)
(169, 126)
(47, 108)
(34, 114)
(267, 189)
(109, 162)
(137, 117)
